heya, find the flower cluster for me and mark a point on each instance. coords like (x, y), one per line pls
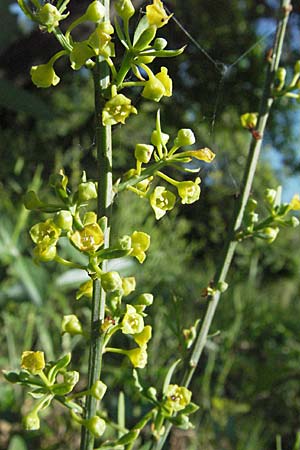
(279, 216)
(140, 51)
(45, 380)
(140, 179)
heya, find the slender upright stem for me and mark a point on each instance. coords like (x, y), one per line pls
(249, 172)
(104, 169)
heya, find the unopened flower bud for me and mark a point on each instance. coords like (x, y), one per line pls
(270, 196)
(98, 389)
(143, 152)
(184, 137)
(31, 421)
(71, 324)
(95, 12)
(63, 220)
(251, 205)
(152, 393)
(111, 281)
(125, 9)
(155, 138)
(71, 377)
(160, 43)
(280, 76)
(297, 67)
(95, 425)
(269, 234)
(87, 191)
(249, 120)
(145, 299)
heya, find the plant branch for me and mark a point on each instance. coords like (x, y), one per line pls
(104, 168)
(249, 172)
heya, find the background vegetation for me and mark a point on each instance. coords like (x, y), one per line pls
(248, 384)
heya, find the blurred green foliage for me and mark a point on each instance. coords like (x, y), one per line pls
(248, 383)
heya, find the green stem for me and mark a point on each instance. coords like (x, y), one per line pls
(231, 243)
(148, 172)
(167, 178)
(104, 164)
(62, 40)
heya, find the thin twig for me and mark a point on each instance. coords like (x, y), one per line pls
(249, 172)
(104, 164)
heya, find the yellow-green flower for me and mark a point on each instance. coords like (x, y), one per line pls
(144, 336)
(156, 14)
(164, 78)
(132, 322)
(71, 324)
(44, 252)
(44, 76)
(117, 109)
(49, 17)
(203, 154)
(189, 191)
(85, 290)
(178, 397)
(138, 357)
(162, 201)
(46, 232)
(100, 39)
(34, 362)
(249, 120)
(295, 203)
(158, 86)
(89, 239)
(128, 285)
(140, 243)
(80, 53)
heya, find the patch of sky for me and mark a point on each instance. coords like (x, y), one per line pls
(25, 24)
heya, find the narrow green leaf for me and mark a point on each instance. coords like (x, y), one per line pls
(170, 374)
